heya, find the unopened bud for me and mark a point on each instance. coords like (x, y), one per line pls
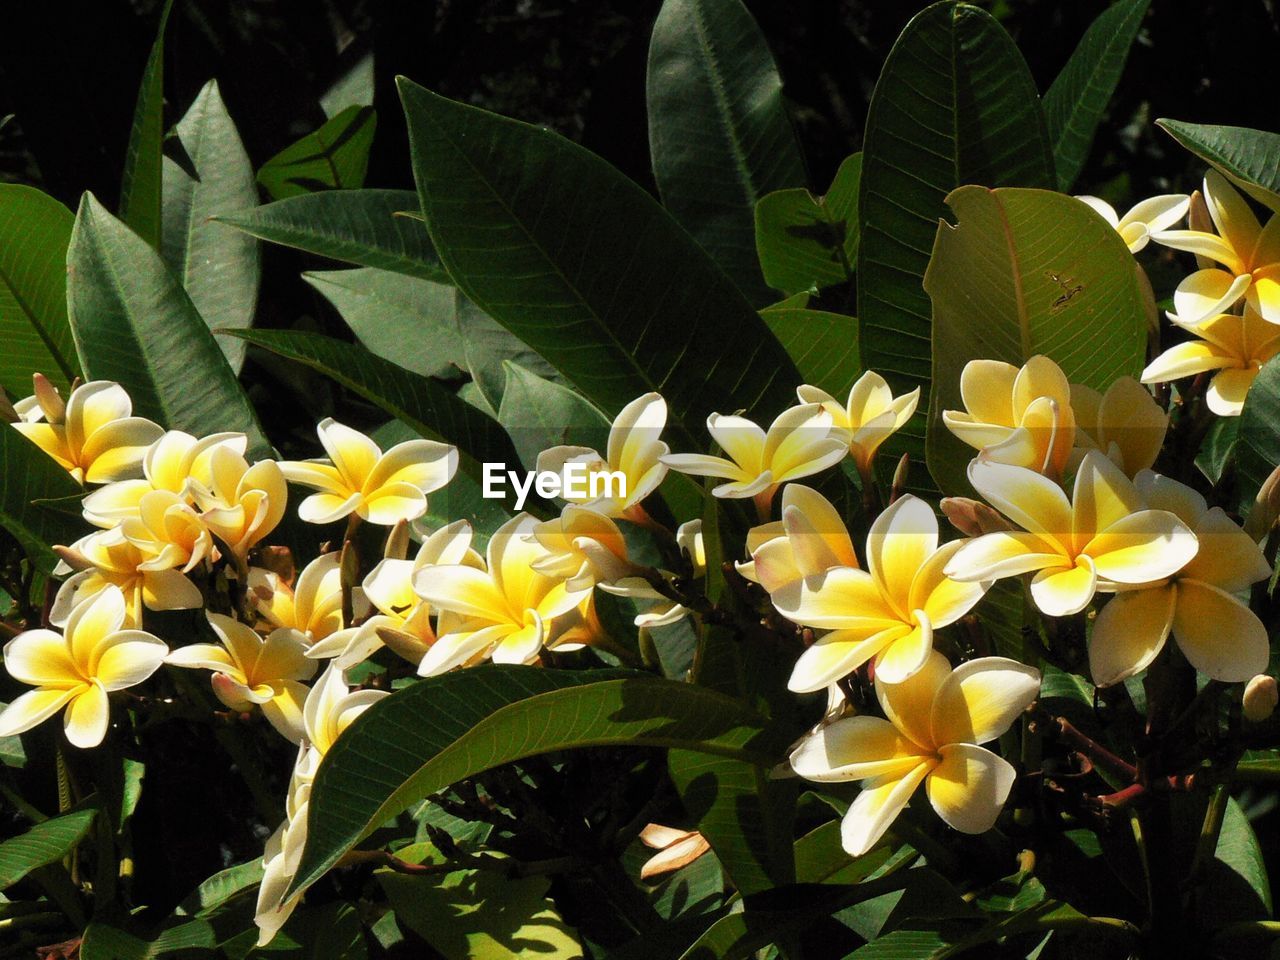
(55, 410)
(1198, 219)
(72, 558)
(1260, 697)
(1266, 508)
(397, 547)
(7, 413)
(971, 517)
(279, 560)
(899, 485)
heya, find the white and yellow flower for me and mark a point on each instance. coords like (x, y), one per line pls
(663, 612)
(937, 719)
(887, 612)
(108, 559)
(312, 606)
(871, 414)
(359, 478)
(809, 540)
(1100, 539)
(76, 670)
(242, 504)
(1144, 218)
(1125, 423)
(169, 532)
(583, 548)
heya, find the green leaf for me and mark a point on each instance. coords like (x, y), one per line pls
(955, 104)
(334, 157)
(45, 843)
(404, 319)
(1248, 158)
(12, 753)
(444, 729)
(133, 323)
(1218, 448)
(102, 941)
(719, 134)
(34, 232)
(591, 273)
(1238, 880)
(430, 409)
(1078, 98)
(141, 189)
(218, 889)
(821, 858)
(1257, 447)
(823, 345)
(1027, 272)
(488, 346)
(218, 266)
(28, 474)
(806, 242)
(359, 226)
(538, 414)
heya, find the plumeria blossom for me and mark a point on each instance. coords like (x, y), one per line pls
(1017, 416)
(1231, 347)
(871, 414)
(359, 478)
(1100, 539)
(250, 671)
(1144, 218)
(802, 441)
(1219, 635)
(1125, 423)
(504, 611)
(93, 435)
(169, 532)
(242, 504)
(635, 451)
(1249, 255)
(583, 548)
(937, 719)
(76, 670)
(889, 611)
(109, 559)
(664, 611)
(809, 540)
(312, 606)
(676, 849)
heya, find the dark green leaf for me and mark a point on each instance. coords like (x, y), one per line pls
(1257, 448)
(538, 414)
(821, 858)
(360, 226)
(593, 274)
(133, 323)
(34, 232)
(488, 346)
(1078, 98)
(404, 319)
(1027, 272)
(718, 129)
(218, 266)
(141, 189)
(806, 242)
(1239, 871)
(1248, 158)
(334, 157)
(955, 104)
(823, 345)
(28, 474)
(443, 729)
(45, 843)
(102, 941)
(219, 888)
(1218, 448)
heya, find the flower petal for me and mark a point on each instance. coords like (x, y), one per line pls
(1143, 547)
(842, 598)
(903, 656)
(424, 464)
(854, 748)
(284, 710)
(127, 658)
(1207, 293)
(875, 809)
(1005, 553)
(1187, 359)
(837, 654)
(1032, 501)
(1129, 632)
(1062, 591)
(389, 504)
(908, 705)
(1227, 391)
(33, 708)
(1220, 636)
(969, 787)
(981, 699)
(88, 716)
(943, 599)
(41, 658)
(323, 508)
(902, 538)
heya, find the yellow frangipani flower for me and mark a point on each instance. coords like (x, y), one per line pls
(1147, 217)
(249, 671)
(93, 657)
(1100, 538)
(635, 450)
(889, 611)
(1250, 254)
(359, 478)
(312, 606)
(504, 611)
(583, 548)
(664, 611)
(1017, 416)
(93, 435)
(809, 540)
(108, 559)
(936, 720)
(871, 414)
(802, 441)
(168, 532)
(1125, 423)
(1234, 348)
(242, 504)
(1219, 635)
(580, 627)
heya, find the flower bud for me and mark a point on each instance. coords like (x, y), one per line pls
(1260, 697)
(1198, 219)
(55, 410)
(971, 517)
(7, 413)
(1266, 508)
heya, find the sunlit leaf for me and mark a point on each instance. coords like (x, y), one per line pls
(1248, 158)
(334, 157)
(807, 242)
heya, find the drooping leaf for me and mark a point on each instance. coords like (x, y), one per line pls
(103, 941)
(595, 276)
(1257, 447)
(404, 319)
(360, 226)
(1077, 99)
(34, 232)
(218, 266)
(443, 729)
(823, 345)
(141, 189)
(334, 157)
(1248, 158)
(806, 242)
(133, 323)
(1027, 272)
(719, 134)
(27, 475)
(955, 104)
(426, 406)
(538, 414)
(45, 843)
